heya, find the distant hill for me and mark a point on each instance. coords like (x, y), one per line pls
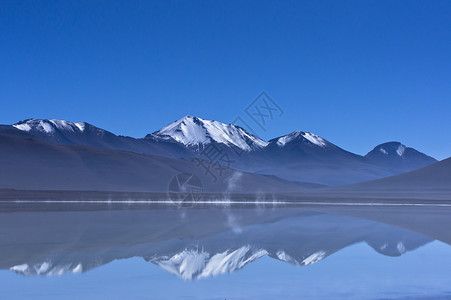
(434, 177)
(397, 155)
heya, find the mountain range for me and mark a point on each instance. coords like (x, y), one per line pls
(58, 154)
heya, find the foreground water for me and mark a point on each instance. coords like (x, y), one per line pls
(247, 252)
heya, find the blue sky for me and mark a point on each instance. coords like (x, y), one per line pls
(358, 73)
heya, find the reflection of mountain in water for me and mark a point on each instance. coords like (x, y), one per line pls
(197, 263)
(195, 243)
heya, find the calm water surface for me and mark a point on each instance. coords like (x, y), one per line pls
(248, 252)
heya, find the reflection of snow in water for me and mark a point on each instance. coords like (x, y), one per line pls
(190, 264)
(47, 268)
(311, 259)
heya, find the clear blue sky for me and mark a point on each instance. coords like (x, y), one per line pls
(358, 73)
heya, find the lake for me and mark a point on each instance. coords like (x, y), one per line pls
(271, 251)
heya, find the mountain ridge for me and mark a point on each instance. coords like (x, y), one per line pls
(297, 156)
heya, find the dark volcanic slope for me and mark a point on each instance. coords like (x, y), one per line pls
(28, 164)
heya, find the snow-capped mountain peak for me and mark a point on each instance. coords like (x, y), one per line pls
(49, 126)
(194, 132)
(307, 136)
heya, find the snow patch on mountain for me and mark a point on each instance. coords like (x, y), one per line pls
(49, 126)
(46, 127)
(312, 138)
(38, 125)
(401, 149)
(81, 126)
(68, 126)
(23, 127)
(193, 132)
